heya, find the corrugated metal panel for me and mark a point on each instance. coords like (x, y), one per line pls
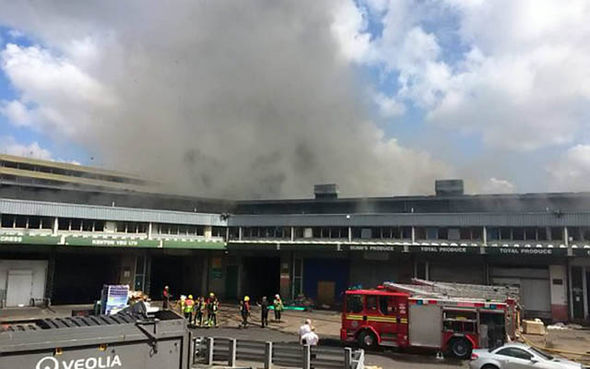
(51, 209)
(421, 219)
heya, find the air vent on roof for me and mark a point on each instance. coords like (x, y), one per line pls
(448, 187)
(326, 191)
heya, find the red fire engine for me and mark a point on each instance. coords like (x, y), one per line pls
(454, 318)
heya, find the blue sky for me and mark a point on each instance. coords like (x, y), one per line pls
(491, 91)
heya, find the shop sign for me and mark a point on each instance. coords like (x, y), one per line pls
(193, 244)
(525, 251)
(377, 248)
(581, 251)
(445, 249)
(29, 240)
(110, 242)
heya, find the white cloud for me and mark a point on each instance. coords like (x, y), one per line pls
(522, 84)
(14, 33)
(497, 186)
(62, 97)
(571, 171)
(16, 112)
(33, 150)
(389, 107)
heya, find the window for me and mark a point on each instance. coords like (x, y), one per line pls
(542, 354)
(63, 224)
(431, 233)
(387, 305)
(518, 234)
(556, 234)
(354, 303)
(372, 306)
(420, 233)
(505, 233)
(7, 221)
(515, 352)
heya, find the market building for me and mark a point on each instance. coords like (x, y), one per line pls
(63, 242)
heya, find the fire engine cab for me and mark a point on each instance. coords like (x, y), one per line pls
(441, 316)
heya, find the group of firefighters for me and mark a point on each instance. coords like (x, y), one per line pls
(202, 312)
(264, 304)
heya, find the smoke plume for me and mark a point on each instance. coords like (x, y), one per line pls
(243, 99)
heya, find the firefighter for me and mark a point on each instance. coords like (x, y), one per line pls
(212, 308)
(278, 306)
(245, 310)
(264, 312)
(201, 309)
(189, 305)
(166, 298)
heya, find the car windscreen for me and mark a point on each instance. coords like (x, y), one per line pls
(542, 354)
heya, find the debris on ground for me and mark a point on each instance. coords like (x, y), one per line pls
(533, 327)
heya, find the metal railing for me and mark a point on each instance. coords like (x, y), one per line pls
(210, 350)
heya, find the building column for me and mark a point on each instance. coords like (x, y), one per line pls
(208, 231)
(292, 234)
(239, 233)
(285, 275)
(349, 234)
(150, 229)
(50, 278)
(413, 234)
(55, 226)
(557, 280)
(485, 236)
(566, 237)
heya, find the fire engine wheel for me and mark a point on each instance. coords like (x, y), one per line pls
(367, 339)
(460, 348)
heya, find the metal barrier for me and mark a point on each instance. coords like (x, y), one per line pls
(220, 349)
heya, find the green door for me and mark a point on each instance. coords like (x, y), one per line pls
(231, 282)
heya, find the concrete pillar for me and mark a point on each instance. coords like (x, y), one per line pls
(205, 276)
(413, 234)
(208, 231)
(285, 275)
(349, 234)
(239, 233)
(231, 360)
(558, 281)
(55, 226)
(150, 228)
(485, 236)
(566, 237)
(267, 355)
(292, 234)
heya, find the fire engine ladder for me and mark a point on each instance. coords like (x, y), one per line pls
(455, 290)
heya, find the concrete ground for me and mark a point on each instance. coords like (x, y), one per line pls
(327, 325)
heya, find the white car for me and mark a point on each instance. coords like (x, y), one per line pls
(518, 356)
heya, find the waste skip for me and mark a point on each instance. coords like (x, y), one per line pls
(125, 340)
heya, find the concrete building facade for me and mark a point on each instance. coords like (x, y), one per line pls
(63, 243)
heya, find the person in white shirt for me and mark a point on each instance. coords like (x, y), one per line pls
(305, 328)
(310, 338)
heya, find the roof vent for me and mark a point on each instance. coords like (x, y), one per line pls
(448, 187)
(326, 191)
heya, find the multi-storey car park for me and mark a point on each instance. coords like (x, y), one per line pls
(62, 237)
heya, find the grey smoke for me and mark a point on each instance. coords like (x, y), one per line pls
(243, 99)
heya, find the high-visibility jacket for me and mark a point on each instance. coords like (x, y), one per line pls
(188, 305)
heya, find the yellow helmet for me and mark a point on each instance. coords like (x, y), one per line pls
(246, 298)
(190, 297)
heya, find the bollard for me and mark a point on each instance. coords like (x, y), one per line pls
(267, 355)
(191, 348)
(307, 357)
(231, 360)
(347, 358)
(210, 343)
